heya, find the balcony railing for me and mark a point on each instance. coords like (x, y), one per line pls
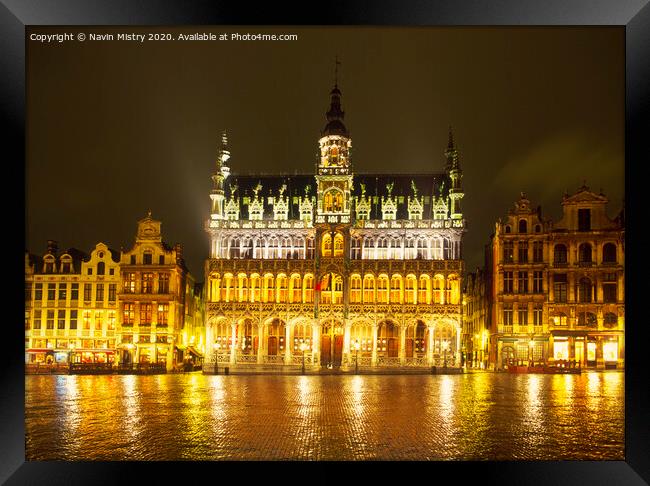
(560, 264)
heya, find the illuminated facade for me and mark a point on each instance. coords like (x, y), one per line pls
(475, 338)
(152, 301)
(334, 267)
(71, 305)
(558, 288)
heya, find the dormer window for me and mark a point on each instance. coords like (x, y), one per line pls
(101, 268)
(49, 265)
(439, 209)
(232, 210)
(523, 226)
(147, 258)
(363, 208)
(256, 210)
(388, 209)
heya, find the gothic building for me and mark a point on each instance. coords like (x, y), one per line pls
(334, 267)
(557, 289)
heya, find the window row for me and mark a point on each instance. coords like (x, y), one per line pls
(147, 259)
(53, 291)
(401, 248)
(145, 284)
(69, 319)
(298, 289)
(148, 314)
(283, 247)
(560, 252)
(584, 289)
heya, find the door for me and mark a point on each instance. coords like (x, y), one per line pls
(338, 349)
(325, 350)
(392, 347)
(409, 348)
(273, 345)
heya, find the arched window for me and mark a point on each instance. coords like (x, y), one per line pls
(507, 229)
(410, 293)
(222, 337)
(559, 319)
(424, 290)
(447, 249)
(422, 249)
(285, 249)
(249, 337)
(559, 254)
(295, 289)
(368, 249)
(368, 289)
(538, 228)
(382, 248)
(301, 335)
(584, 253)
(416, 340)
(269, 288)
(396, 289)
(382, 289)
(438, 285)
(453, 290)
(609, 253)
(337, 289)
(355, 289)
(101, 268)
(310, 248)
(338, 245)
(396, 248)
(362, 334)
(234, 248)
(255, 288)
(273, 249)
(282, 288)
(409, 249)
(355, 248)
(228, 288)
(584, 290)
(215, 287)
(242, 287)
(387, 340)
(327, 245)
(333, 201)
(523, 226)
(308, 288)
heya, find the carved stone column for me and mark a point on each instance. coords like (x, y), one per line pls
(402, 344)
(233, 347)
(288, 345)
(374, 344)
(260, 342)
(430, 345)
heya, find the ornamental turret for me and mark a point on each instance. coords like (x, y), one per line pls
(222, 172)
(455, 175)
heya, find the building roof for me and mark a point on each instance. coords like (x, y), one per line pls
(375, 186)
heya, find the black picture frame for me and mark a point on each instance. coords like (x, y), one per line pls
(633, 15)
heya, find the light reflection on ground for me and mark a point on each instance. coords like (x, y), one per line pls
(482, 416)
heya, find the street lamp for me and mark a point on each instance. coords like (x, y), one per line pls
(445, 346)
(303, 346)
(217, 347)
(356, 356)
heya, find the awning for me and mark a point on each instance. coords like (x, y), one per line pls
(180, 347)
(194, 352)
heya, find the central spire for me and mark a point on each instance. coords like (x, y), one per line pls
(335, 114)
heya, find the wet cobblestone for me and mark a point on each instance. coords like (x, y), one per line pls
(482, 416)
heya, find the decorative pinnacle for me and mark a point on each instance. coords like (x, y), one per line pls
(336, 70)
(450, 144)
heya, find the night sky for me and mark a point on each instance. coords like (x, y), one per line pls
(115, 129)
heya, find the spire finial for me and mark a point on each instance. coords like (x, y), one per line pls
(149, 214)
(336, 70)
(450, 145)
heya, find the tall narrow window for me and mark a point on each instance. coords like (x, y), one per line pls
(522, 283)
(163, 283)
(522, 253)
(99, 292)
(609, 253)
(382, 289)
(147, 258)
(507, 283)
(523, 226)
(560, 287)
(101, 268)
(523, 316)
(129, 282)
(538, 282)
(88, 292)
(507, 314)
(584, 219)
(355, 289)
(424, 290)
(338, 245)
(73, 318)
(560, 254)
(368, 289)
(508, 252)
(51, 291)
(38, 291)
(396, 289)
(37, 318)
(63, 288)
(147, 282)
(255, 288)
(538, 251)
(163, 315)
(112, 291)
(411, 289)
(61, 319)
(145, 314)
(50, 319)
(128, 314)
(537, 314)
